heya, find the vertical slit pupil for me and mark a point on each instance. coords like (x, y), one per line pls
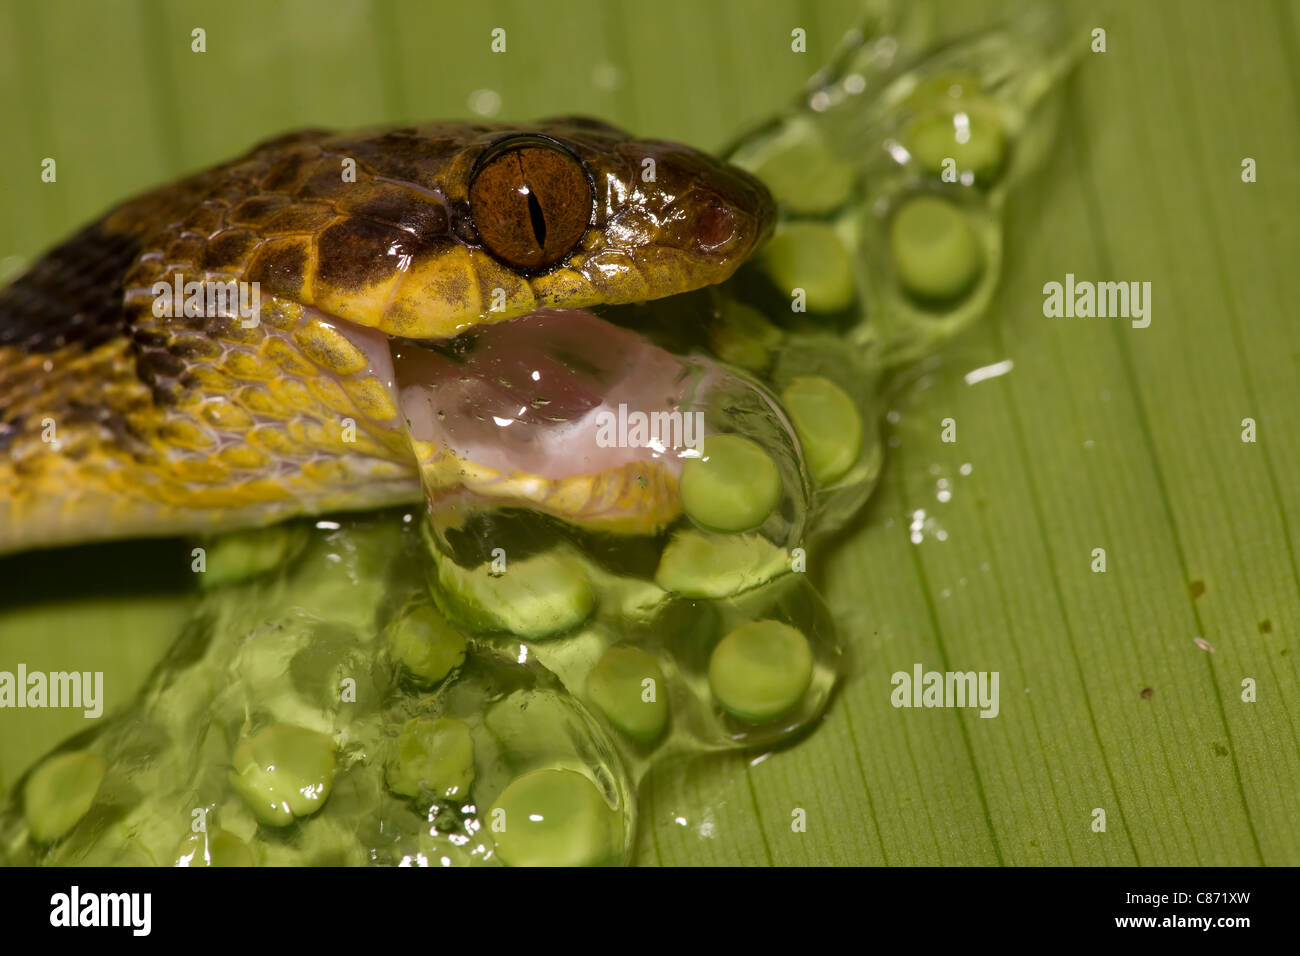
(538, 220)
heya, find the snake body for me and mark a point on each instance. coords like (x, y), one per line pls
(118, 421)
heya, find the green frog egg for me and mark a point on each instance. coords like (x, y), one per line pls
(810, 256)
(436, 756)
(538, 597)
(59, 793)
(696, 564)
(732, 486)
(955, 120)
(971, 137)
(760, 670)
(802, 172)
(424, 643)
(284, 772)
(743, 336)
(553, 818)
(935, 250)
(828, 425)
(629, 687)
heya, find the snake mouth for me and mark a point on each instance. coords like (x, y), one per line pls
(556, 410)
(533, 394)
(563, 412)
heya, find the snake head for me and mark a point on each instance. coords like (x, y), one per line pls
(189, 414)
(665, 219)
(441, 228)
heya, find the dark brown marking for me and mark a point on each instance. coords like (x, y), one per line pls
(398, 154)
(408, 212)
(302, 217)
(193, 347)
(284, 173)
(356, 253)
(325, 182)
(205, 219)
(230, 250)
(187, 248)
(72, 296)
(279, 266)
(155, 366)
(254, 211)
(149, 338)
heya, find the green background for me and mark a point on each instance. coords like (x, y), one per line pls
(1101, 435)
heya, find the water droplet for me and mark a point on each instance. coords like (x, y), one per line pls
(485, 102)
(996, 370)
(606, 76)
(961, 125)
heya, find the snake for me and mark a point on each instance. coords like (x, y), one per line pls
(139, 398)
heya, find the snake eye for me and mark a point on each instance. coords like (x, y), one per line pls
(531, 202)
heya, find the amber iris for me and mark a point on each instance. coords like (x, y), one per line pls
(531, 203)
